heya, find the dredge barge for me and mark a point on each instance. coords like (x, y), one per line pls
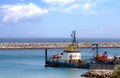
(71, 57)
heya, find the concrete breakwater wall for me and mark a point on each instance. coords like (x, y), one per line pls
(52, 45)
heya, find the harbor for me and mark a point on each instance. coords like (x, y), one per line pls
(99, 64)
(71, 56)
(30, 63)
(56, 45)
(59, 39)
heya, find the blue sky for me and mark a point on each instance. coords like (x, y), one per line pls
(58, 18)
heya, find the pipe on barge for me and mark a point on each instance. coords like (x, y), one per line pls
(57, 45)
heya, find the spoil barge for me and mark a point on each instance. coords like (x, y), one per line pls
(71, 57)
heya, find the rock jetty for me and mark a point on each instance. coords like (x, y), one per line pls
(52, 45)
(101, 73)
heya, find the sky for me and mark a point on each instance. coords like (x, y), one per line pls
(58, 18)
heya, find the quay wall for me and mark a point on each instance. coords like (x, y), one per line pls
(56, 45)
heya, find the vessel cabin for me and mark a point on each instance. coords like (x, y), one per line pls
(68, 56)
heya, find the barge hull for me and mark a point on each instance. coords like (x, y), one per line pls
(65, 65)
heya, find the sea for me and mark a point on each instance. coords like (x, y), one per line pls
(29, 63)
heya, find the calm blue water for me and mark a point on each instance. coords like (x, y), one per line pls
(30, 63)
(59, 40)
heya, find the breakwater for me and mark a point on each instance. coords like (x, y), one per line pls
(53, 45)
(98, 73)
(56, 45)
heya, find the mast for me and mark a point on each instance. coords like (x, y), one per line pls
(96, 47)
(73, 35)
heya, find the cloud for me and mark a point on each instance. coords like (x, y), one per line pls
(66, 9)
(86, 6)
(21, 11)
(79, 6)
(69, 5)
(58, 2)
(72, 7)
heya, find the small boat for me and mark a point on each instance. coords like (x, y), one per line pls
(70, 57)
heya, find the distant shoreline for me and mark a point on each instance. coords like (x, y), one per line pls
(56, 45)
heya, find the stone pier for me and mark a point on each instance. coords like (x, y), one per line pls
(56, 45)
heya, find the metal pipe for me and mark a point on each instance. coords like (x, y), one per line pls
(45, 56)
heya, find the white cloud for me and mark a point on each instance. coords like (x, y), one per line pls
(80, 6)
(58, 2)
(86, 6)
(72, 7)
(64, 9)
(21, 11)
(69, 5)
